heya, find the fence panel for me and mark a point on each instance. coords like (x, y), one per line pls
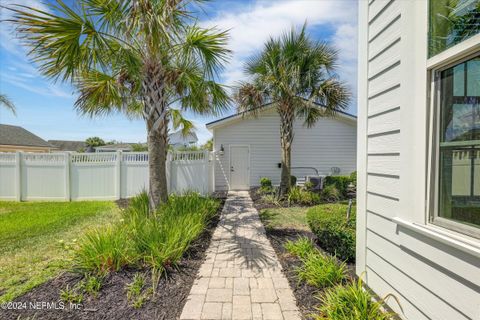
(8, 182)
(134, 174)
(93, 176)
(43, 176)
(97, 176)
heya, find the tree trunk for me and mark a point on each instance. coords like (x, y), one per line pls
(156, 116)
(286, 139)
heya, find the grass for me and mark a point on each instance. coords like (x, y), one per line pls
(353, 302)
(285, 218)
(35, 236)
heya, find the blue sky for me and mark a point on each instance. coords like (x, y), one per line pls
(46, 108)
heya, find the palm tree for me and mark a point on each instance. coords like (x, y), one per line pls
(297, 74)
(7, 103)
(94, 142)
(143, 57)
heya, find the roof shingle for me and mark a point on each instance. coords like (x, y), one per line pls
(18, 136)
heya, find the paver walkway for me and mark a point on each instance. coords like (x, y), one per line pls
(241, 277)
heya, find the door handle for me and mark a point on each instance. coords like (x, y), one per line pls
(231, 169)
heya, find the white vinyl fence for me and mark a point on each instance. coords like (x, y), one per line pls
(97, 176)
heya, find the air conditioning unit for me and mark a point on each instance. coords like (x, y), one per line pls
(316, 181)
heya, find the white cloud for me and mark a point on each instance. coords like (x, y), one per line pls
(251, 26)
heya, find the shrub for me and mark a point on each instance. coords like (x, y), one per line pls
(321, 271)
(351, 302)
(353, 177)
(300, 248)
(265, 185)
(103, 250)
(330, 194)
(340, 182)
(328, 223)
(297, 195)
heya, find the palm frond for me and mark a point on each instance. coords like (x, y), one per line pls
(7, 103)
(209, 45)
(103, 94)
(178, 121)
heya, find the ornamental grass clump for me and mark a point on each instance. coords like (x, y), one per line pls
(157, 240)
(351, 302)
(104, 250)
(300, 248)
(321, 271)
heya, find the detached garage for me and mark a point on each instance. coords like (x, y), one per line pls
(248, 148)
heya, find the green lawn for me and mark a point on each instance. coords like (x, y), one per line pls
(285, 218)
(34, 237)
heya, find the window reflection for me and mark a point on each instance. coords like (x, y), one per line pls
(451, 22)
(459, 167)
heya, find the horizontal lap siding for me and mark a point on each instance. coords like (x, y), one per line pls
(430, 281)
(330, 143)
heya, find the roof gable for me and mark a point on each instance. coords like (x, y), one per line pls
(239, 116)
(18, 136)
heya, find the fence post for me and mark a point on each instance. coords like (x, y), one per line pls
(18, 176)
(67, 176)
(118, 172)
(206, 170)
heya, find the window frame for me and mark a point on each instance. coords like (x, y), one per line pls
(451, 57)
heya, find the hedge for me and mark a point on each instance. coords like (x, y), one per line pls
(334, 234)
(340, 182)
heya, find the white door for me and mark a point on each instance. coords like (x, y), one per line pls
(239, 168)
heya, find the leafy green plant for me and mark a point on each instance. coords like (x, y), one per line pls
(321, 270)
(135, 290)
(353, 177)
(265, 183)
(334, 234)
(340, 182)
(330, 194)
(351, 302)
(297, 195)
(71, 295)
(271, 199)
(92, 284)
(301, 247)
(308, 186)
(104, 250)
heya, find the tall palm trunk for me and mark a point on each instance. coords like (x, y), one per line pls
(155, 113)
(286, 138)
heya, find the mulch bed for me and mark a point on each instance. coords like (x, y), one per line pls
(306, 295)
(111, 302)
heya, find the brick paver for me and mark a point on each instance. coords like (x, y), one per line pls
(241, 277)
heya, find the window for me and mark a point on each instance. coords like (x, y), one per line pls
(456, 132)
(451, 22)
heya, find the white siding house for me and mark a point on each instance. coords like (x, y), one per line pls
(418, 197)
(251, 148)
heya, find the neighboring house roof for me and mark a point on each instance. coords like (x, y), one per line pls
(116, 146)
(267, 106)
(66, 145)
(177, 138)
(18, 136)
